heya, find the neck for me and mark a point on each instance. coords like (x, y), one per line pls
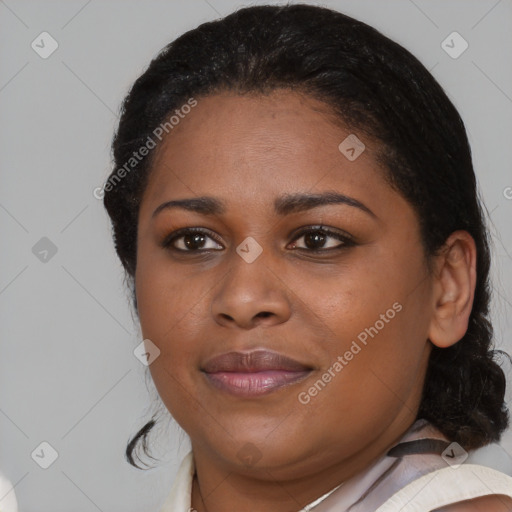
(219, 487)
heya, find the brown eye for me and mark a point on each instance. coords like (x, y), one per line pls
(320, 239)
(190, 240)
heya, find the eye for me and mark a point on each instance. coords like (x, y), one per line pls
(316, 239)
(190, 240)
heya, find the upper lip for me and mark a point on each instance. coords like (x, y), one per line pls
(251, 362)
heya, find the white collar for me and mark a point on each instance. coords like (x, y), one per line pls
(180, 498)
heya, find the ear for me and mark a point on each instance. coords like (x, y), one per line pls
(453, 289)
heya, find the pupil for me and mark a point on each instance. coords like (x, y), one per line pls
(314, 238)
(197, 240)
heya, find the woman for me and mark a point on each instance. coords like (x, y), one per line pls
(295, 206)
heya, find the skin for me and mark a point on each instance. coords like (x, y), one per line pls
(247, 151)
(497, 503)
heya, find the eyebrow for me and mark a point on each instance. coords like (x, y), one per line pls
(284, 205)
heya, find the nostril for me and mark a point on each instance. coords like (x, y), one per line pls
(264, 314)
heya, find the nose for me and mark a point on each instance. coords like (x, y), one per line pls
(251, 294)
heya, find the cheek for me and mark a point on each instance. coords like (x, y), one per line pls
(370, 382)
(378, 317)
(171, 315)
(165, 300)
(170, 318)
(351, 301)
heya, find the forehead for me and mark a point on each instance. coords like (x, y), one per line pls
(253, 148)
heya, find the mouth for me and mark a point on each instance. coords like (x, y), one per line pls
(253, 374)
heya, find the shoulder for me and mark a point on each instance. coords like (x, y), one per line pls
(465, 489)
(494, 503)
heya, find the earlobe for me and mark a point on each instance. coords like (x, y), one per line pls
(453, 289)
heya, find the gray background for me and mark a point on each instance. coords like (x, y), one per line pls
(68, 375)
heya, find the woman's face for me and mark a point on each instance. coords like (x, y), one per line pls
(350, 304)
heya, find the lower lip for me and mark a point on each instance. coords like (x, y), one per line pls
(254, 384)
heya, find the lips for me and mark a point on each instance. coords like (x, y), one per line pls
(251, 374)
(252, 362)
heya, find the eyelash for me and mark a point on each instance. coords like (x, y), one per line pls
(346, 240)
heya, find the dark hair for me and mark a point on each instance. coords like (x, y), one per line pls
(370, 84)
